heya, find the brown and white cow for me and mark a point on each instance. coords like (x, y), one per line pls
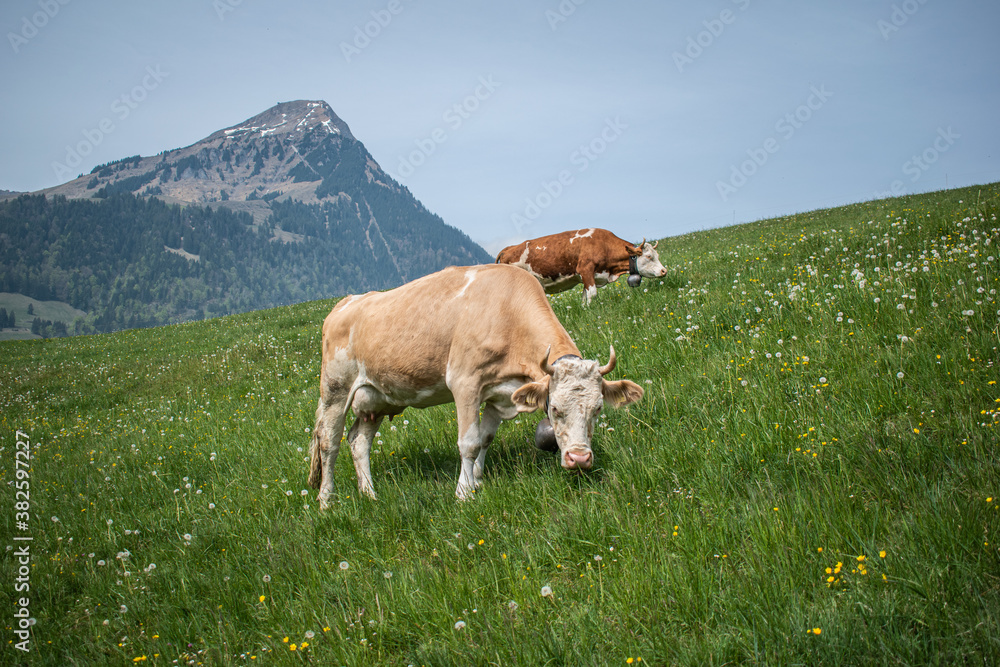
(481, 337)
(594, 257)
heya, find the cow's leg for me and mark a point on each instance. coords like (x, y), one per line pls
(475, 436)
(586, 271)
(327, 433)
(488, 425)
(360, 438)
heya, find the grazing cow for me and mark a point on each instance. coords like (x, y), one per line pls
(594, 257)
(481, 337)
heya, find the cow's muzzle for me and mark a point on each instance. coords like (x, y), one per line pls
(578, 458)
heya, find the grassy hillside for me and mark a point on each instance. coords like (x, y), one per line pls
(811, 476)
(46, 310)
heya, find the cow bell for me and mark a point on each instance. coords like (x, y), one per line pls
(634, 279)
(545, 437)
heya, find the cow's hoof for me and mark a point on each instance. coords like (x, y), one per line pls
(545, 437)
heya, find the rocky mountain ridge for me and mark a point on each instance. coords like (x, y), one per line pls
(288, 152)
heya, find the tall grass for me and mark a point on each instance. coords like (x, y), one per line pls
(810, 478)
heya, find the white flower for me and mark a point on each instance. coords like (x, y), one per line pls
(459, 625)
(900, 375)
(546, 591)
(344, 565)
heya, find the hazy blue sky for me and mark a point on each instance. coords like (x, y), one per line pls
(517, 119)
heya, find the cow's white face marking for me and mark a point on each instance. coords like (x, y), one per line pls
(575, 401)
(573, 395)
(586, 234)
(648, 263)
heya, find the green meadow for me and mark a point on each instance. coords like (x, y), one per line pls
(811, 477)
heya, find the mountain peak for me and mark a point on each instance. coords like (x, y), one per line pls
(296, 117)
(294, 150)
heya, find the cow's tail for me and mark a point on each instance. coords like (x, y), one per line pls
(502, 256)
(335, 428)
(315, 459)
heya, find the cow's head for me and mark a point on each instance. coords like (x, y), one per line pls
(647, 260)
(573, 392)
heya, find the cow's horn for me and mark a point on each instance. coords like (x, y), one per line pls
(545, 361)
(656, 244)
(604, 370)
(643, 243)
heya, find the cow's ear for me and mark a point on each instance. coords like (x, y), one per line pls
(531, 396)
(621, 392)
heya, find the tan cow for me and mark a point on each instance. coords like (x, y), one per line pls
(594, 257)
(481, 337)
